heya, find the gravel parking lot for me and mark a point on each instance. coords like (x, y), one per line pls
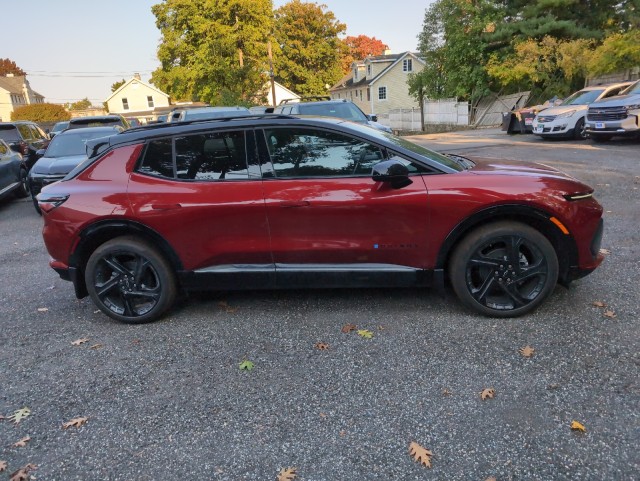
(167, 400)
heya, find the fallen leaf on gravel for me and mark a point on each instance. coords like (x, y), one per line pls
(492, 478)
(347, 328)
(610, 314)
(43, 309)
(74, 423)
(381, 328)
(487, 393)
(322, 346)
(343, 433)
(96, 346)
(22, 443)
(227, 307)
(576, 426)
(599, 304)
(605, 252)
(446, 392)
(19, 415)
(77, 342)
(527, 351)
(3, 466)
(420, 454)
(287, 474)
(246, 365)
(22, 474)
(365, 333)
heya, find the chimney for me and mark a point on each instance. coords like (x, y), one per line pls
(387, 51)
(136, 76)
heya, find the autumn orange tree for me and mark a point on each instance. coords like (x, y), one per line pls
(8, 66)
(357, 48)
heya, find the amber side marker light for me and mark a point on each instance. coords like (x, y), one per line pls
(560, 225)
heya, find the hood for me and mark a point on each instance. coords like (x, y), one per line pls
(57, 165)
(561, 109)
(506, 167)
(617, 101)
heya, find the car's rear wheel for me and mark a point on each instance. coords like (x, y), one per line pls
(23, 190)
(580, 132)
(130, 281)
(504, 269)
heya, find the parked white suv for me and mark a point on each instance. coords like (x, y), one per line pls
(568, 118)
(619, 115)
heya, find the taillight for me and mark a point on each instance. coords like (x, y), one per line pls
(24, 148)
(48, 202)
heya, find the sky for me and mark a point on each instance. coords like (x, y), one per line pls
(72, 49)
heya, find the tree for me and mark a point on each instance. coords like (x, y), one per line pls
(310, 48)
(454, 43)
(83, 104)
(619, 51)
(418, 84)
(41, 113)
(213, 50)
(116, 85)
(8, 66)
(360, 47)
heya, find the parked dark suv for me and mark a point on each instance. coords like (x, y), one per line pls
(275, 201)
(24, 137)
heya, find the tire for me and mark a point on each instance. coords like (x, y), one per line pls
(598, 139)
(504, 269)
(579, 131)
(35, 204)
(23, 190)
(130, 281)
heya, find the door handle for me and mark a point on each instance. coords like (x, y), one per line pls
(165, 206)
(294, 203)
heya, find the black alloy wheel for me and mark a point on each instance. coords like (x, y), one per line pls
(504, 269)
(130, 281)
(580, 131)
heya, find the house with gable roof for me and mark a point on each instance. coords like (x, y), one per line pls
(378, 84)
(15, 92)
(136, 99)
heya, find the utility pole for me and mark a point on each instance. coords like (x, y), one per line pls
(272, 75)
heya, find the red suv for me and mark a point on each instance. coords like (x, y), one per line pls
(277, 201)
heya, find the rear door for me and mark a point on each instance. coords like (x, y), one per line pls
(202, 192)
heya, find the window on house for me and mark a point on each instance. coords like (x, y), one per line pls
(382, 93)
(407, 65)
(125, 104)
(368, 94)
(369, 70)
(150, 101)
(355, 74)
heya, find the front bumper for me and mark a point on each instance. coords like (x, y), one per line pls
(563, 127)
(625, 127)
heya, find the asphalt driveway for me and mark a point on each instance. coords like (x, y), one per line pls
(168, 401)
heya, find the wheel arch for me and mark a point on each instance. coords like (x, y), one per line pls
(97, 234)
(563, 244)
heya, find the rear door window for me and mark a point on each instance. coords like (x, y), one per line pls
(9, 133)
(215, 156)
(25, 132)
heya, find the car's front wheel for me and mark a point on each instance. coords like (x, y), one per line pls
(23, 189)
(580, 132)
(130, 281)
(504, 269)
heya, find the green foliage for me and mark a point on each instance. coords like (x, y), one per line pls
(246, 365)
(311, 51)
(83, 104)
(454, 43)
(8, 66)
(41, 113)
(213, 51)
(116, 85)
(619, 51)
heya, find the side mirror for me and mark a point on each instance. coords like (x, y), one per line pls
(373, 118)
(392, 171)
(40, 153)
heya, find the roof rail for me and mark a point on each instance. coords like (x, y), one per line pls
(166, 125)
(305, 99)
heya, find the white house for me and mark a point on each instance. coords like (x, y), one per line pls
(15, 91)
(139, 100)
(379, 84)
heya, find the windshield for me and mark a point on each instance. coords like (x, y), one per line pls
(583, 97)
(60, 126)
(342, 110)
(633, 89)
(72, 143)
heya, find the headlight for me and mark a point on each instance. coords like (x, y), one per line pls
(633, 107)
(566, 114)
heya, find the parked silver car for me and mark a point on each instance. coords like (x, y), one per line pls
(619, 115)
